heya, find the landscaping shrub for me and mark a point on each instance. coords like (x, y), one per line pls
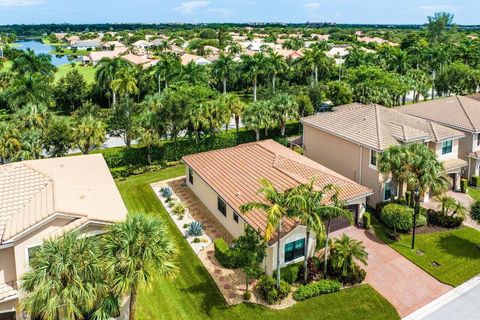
(366, 220)
(443, 220)
(247, 295)
(475, 211)
(355, 276)
(129, 170)
(464, 185)
(195, 229)
(475, 181)
(289, 274)
(179, 209)
(397, 216)
(224, 254)
(408, 196)
(401, 201)
(267, 289)
(314, 266)
(166, 192)
(379, 207)
(316, 288)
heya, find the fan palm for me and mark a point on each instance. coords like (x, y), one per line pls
(138, 249)
(345, 251)
(33, 116)
(276, 208)
(66, 281)
(223, 68)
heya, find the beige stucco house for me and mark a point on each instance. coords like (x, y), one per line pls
(460, 113)
(225, 179)
(350, 139)
(43, 199)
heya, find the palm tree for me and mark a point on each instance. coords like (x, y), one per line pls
(125, 83)
(25, 89)
(285, 109)
(236, 107)
(317, 61)
(138, 249)
(392, 162)
(223, 69)
(251, 68)
(30, 63)
(66, 280)
(89, 133)
(276, 209)
(10, 143)
(451, 206)
(167, 68)
(33, 116)
(106, 71)
(258, 115)
(194, 74)
(345, 251)
(276, 65)
(147, 131)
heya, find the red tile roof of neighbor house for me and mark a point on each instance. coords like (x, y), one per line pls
(235, 174)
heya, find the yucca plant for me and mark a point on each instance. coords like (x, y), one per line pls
(195, 229)
(179, 209)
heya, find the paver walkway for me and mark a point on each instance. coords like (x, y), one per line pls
(401, 282)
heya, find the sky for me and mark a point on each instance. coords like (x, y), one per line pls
(195, 11)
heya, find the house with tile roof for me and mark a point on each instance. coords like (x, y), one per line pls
(460, 113)
(350, 139)
(225, 179)
(42, 199)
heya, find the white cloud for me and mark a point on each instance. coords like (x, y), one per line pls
(438, 8)
(312, 5)
(19, 3)
(190, 7)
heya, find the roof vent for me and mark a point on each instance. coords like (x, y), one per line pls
(238, 193)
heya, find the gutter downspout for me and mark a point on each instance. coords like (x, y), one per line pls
(469, 166)
(361, 165)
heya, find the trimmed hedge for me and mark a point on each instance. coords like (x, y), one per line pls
(443, 220)
(171, 151)
(366, 220)
(289, 274)
(475, 181)
(316, 288)
(224, 254)
(267, 288)
(464, 185)
(397, 216)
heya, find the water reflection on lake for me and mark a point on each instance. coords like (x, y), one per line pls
(40, 47)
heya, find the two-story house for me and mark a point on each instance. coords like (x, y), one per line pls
(460, 113)
(350, 139)
(43, 199)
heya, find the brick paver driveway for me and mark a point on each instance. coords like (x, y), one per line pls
(401, 282)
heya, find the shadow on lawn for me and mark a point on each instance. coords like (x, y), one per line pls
(207, 290)
(460, 247)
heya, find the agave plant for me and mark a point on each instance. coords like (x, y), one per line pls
(166, 192)
(179, 209)
(195, 229)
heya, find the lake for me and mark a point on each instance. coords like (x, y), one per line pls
(40, 47)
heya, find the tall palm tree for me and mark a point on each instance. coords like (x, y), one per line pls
(10, 143)
(276, 208)
(167, 68)
(30, 63)
(25, 89)
(194, 74)
(251, 68)
(223, 68)
(33, 116)
(89, 133)
(66, 280)
(125, 83)
(236, 107)
(258, 115)
(106, 71)
(285, 109)
(317, 61)
(147, 131)
(392, 162)
(276, 65)
(345, 251)
(138, 249)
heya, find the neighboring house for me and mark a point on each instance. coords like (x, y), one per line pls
(142, 44)
(95, 56)
(461, 113)
(112, 45)
(289, 54)
(225, 179)
(187, 58)
(42, 199)
(136, 60)
(375, 40)
(350, 139)
(87, 44)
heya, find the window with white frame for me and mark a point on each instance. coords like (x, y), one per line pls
(373, 158)
(447, 147)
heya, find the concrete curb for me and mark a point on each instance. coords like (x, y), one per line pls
(443, 300)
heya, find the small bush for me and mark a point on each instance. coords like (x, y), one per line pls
(195, 229)
(443, 220)
(314, 267)
(397, 216)
(355, 276)
(224, 254)
(366, 220)
(179, 209)
(267, 289)
(464, 185)
(197, 240)
(186, 225)
(475, 211)
(289, 274)
(247, 295)
(475, 181)
(316, 288)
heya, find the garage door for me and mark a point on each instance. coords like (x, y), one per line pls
(7, 316)
(340, 223)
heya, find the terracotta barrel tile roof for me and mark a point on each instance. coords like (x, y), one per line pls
(235, 174)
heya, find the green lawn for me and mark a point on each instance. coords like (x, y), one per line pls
(194, 295)
(6, 66)
(88, 72)
(457, 251)
(474, 193)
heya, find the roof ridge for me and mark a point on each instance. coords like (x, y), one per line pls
(377, 121)
(466, 113)
(434, 129)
